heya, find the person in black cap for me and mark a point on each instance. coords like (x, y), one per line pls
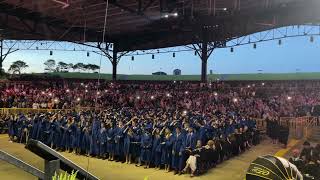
(306, 152)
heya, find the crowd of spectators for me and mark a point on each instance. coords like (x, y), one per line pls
(254, 100)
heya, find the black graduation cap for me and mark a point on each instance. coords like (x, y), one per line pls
(306, 143)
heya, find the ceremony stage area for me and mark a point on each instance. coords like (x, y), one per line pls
(233, 169)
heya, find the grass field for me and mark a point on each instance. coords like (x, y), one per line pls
(213, 77)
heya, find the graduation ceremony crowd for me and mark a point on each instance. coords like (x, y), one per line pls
(178, 126)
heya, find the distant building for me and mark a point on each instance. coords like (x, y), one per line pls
(211, 72)
(177, 72)
(159, 73)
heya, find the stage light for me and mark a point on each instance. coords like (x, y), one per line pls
(152, 97)
(254, 46)
(311, 38)
(50, 94)
(138, 97)
(56, 100)
(152, 56)
(42, 92)
(51, 53)
(184, 112)
(78, 99)
(81, 84)
(166, 16)
(168, 95)
(175, 14)
(132, 58)
(235, 100)
(249, 86)
(67, 90)
(174, 55)
(98, 93)
(174, 81)
(106, 90)
(231, 49)
(88, 54)
(262, 84)
(280, 42)
(210, 84)
(186, 92)
(289, 97)
(215, 94)
(86, 91)
(225, 9)
(86, 86)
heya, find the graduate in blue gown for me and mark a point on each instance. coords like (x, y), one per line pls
(127, 148)
(146, 145)
(118, 140)
(94, 146)
(110, 141)
(34, 127)
(102, 140)
(77, 141)
(57, 133)
(166, 149)
(86, 135)
(177, 150)
(135, 144)
(156, 148)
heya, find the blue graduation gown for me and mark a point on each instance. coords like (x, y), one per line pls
(57, 134)
(118, 140)
(102, 138)
(146, 144)
(85, 142)
(156, 150)
(94, 146)
(35, 126)
(110, 140)
(177, 150)
(190, 141)
(126, 144)
(166, 150)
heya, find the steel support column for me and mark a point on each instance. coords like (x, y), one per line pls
(114, 61)
(1, 54)
(204, 60)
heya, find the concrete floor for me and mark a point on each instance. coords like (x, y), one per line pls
(233, 169)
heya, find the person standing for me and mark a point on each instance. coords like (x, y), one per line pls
(177, 150)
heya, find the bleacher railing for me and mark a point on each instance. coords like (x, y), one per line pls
(31, 110)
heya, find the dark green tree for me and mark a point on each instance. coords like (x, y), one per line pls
(50, 65)
(17, 67)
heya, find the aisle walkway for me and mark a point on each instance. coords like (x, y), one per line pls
(233, 169)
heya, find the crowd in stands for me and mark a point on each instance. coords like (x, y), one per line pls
(252, 100)
(179, 126)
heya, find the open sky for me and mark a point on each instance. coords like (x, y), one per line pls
(294, 53)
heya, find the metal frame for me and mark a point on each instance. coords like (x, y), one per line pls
(23, 165)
